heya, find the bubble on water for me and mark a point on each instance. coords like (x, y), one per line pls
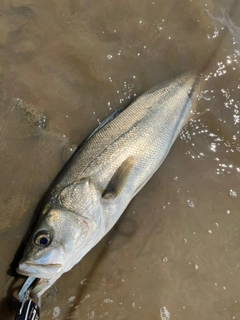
(108, 301)
(190, 203)
(165, 259)
(91, 314)
(213, 146)
(232, 193)
(228, 60)
(71, 298)
(56, 312)
(228, 211)
(164, 314)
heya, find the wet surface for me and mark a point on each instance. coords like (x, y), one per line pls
(64, 67)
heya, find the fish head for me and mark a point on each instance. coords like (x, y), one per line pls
(61, 238)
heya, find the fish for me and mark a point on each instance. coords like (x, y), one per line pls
(102, 177)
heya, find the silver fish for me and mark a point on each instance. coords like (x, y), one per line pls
(101, 179)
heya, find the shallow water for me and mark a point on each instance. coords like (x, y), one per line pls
(64, 67)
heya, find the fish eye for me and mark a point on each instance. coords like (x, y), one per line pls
(42, 239)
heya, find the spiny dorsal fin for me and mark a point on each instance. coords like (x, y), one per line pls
(104, 122)
(119, 179)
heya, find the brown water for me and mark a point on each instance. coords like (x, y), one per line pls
(66, 64)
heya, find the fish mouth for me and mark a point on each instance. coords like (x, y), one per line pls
(41, 286)
(42, 271)
(46, 273)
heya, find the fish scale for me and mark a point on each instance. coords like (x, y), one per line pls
(138, 112)
(98, 183)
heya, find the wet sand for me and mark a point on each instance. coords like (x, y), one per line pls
(66, 66)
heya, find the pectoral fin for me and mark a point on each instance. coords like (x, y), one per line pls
(119, 179)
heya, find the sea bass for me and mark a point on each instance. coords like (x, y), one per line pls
(103, 176)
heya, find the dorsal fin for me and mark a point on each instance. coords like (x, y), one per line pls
(104, 122)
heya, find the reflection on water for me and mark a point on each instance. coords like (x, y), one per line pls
(64, 67)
